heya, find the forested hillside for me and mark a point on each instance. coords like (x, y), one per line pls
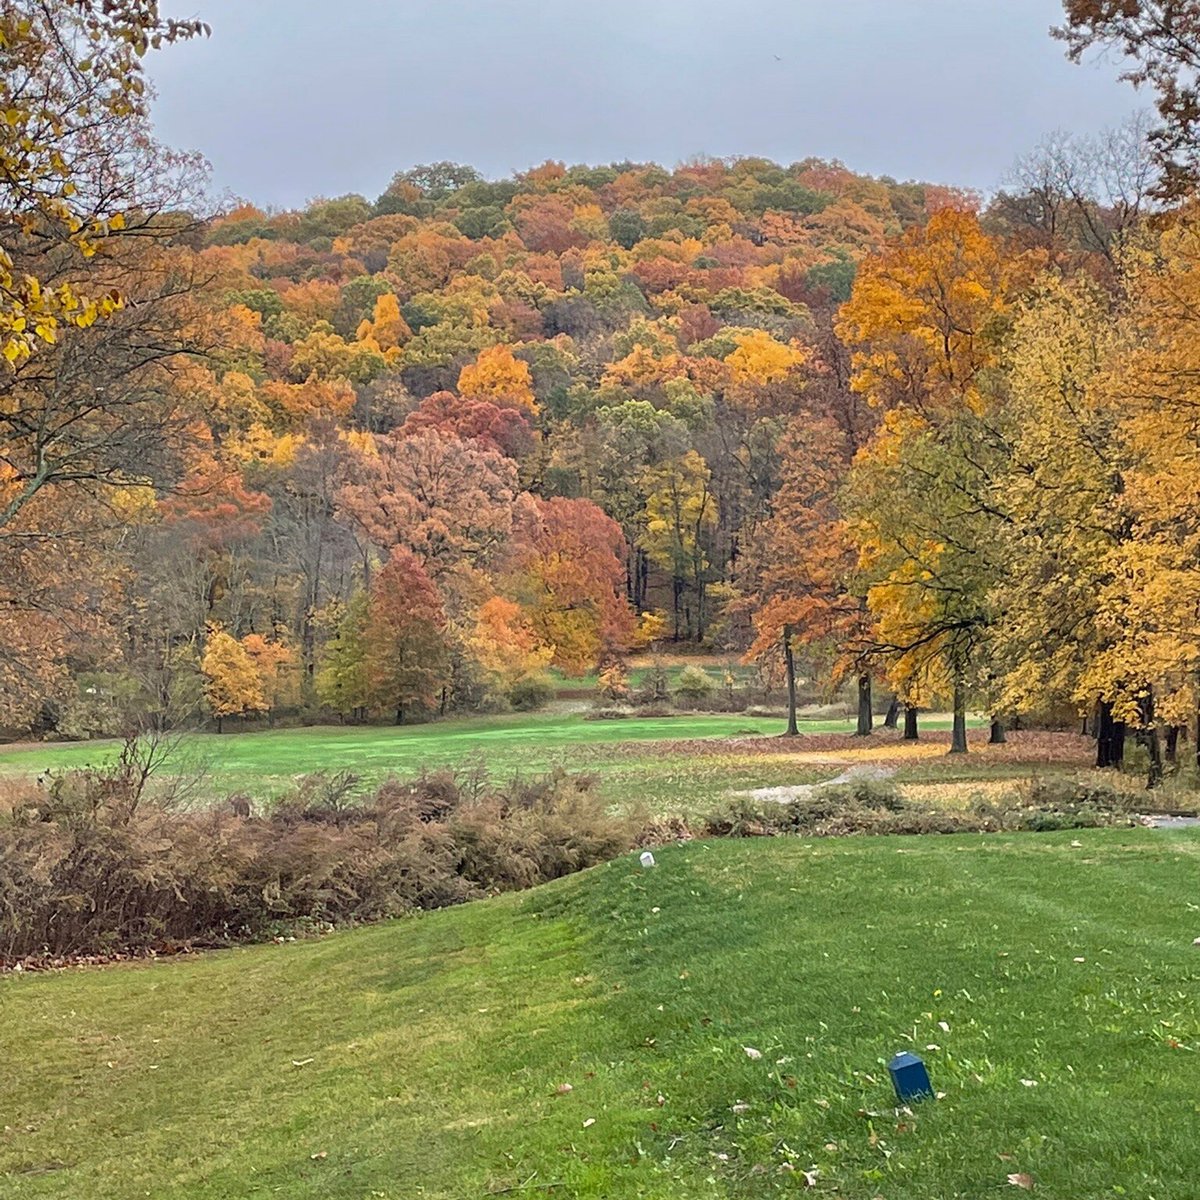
(398, 458)
(436, 443)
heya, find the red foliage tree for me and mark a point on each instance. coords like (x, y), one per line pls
(568, 568)
(406, 650)
(500, 428)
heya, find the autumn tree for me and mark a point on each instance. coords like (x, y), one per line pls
(232, 684)
(1149, 664)
(804, 561)
(506, 646)
(1058, 486)
(1162, 38)
(499, 376)
(273, 661)
(447, 500)
(498, 427)
(405, 648)
(342, 682)
(566, 567)
(680, 513)
(925, 324)
(72, 147)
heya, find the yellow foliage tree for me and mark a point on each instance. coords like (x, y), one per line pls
(388, 331)
(506, 646)
(759, 359)
(273, 661)
(497, 375)
(924, 316)
(72, 105)
(232, 684)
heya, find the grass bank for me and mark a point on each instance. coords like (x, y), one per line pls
(1049, 981)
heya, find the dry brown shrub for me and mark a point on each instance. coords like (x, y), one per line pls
(88, 867)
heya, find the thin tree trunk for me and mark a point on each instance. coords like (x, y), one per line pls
(1172, 746)
(1198, 734)
(220, 724)
(866, 718)
(1154, 773)
(1104, 736)
(996, 737)
(910, 724)
(790, 664)
(958, 736)
(893, 714)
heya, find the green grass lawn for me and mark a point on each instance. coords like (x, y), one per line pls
(623, 753)
(1048, 980)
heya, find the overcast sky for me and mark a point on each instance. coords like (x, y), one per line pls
(291, 99)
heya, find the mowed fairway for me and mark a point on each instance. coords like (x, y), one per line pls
(638, 760)
(1049, 981)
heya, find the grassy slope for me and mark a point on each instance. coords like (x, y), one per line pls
(436, 1044)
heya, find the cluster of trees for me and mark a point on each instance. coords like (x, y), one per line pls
(396, 457)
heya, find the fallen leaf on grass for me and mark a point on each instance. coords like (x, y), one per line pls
(564, 1088)
(589, 1122)
(301, 1062)
(1021, 1180)
(319, 1156)
(751, 1053)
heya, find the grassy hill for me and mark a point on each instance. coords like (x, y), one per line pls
(1049, 981)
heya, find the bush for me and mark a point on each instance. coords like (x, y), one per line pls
(656, 688)
(695, 684)
(875, 806)
(613, 685)
(91, 866)
(531, 693)
(863, 792)
(610, 713)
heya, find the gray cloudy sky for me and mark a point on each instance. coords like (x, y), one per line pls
(291, 99)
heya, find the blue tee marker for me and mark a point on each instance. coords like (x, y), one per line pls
(909, 1078)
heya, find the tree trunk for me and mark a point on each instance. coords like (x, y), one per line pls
(910, 723)
(1172, 748)
(220, 724)
(1104, 736)
(893, 714)
(996, 737)
(399, 714)
(1110, 738)
(790, 664)
(866, 719)
(1154, 773)
(1198, 734)
(958, 735)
